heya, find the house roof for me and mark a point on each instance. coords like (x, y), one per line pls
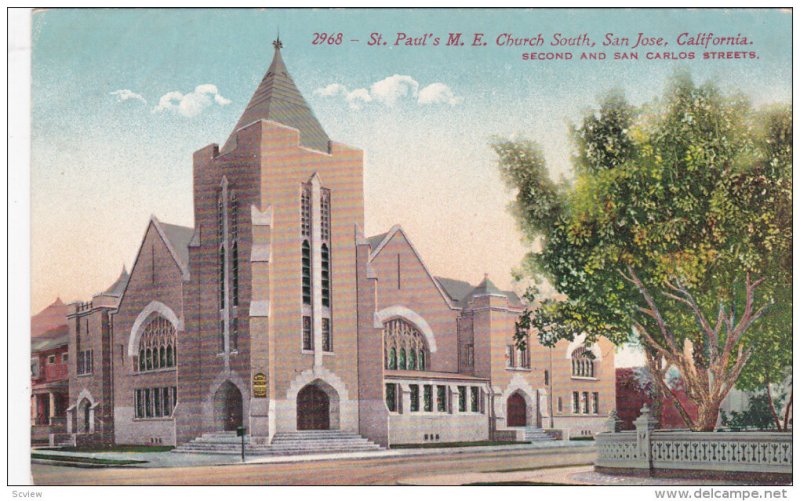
(54, 315)
(51, 339)
(278, 99)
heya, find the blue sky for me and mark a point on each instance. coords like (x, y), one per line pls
(104, 161)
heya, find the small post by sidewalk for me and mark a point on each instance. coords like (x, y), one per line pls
(240, 431)
(645, 424)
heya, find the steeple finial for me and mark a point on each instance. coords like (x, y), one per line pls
(277, 43)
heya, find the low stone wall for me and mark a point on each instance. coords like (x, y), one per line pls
(660, 452)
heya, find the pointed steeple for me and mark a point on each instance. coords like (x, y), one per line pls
(118, 287)
(277, 98)
(486, 287)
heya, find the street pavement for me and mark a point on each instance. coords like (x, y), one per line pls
(383, 468)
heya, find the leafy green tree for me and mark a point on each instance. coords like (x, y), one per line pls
(756, 416)
(677, 226)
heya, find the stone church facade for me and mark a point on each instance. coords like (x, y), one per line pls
(276, 313)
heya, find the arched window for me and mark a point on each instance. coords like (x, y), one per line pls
(401, 337)
(234, 231)
(158, 345)
(306, 272)
(222, 277)
(326, 276)
(582, 363)
(235, 270)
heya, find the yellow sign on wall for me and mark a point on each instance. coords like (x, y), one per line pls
(259, 385)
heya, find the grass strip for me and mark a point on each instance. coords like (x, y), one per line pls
(85, 460)
(119, 448)
(446, 445)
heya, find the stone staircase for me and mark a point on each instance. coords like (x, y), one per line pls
(283, 444)
(533, 434)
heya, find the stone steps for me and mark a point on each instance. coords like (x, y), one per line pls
(537, 435)
(283, 444)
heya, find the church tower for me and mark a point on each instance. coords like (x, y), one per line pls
(271, 324)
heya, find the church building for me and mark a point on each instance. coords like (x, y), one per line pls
(277, 314)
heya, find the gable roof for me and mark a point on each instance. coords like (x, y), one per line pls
(375, 240)
(179, 237)
(278, 99)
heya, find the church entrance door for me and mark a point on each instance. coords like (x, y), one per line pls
(516, 411)
(313, 409)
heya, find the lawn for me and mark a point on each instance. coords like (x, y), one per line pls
(119, 448)
(84, 460)
(446, 445)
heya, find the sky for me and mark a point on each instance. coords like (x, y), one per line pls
(122, 98)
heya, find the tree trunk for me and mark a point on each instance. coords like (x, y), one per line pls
(707, 415)
(707, 378)
(787, 412)
(772, 407)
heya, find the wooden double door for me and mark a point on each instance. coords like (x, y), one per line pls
(516, 411)
(313, 409)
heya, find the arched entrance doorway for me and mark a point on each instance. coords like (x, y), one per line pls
(317, 407)
(227, 407)
(516, 411)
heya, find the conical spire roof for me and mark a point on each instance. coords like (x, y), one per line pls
(118, 287)
(278, 99)
(486, 287)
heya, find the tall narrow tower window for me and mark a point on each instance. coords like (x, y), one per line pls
(305, 230)
(234, 218)
(222, 277)
(325, 214)
(221, 244)
(326, 276)
(306, 272)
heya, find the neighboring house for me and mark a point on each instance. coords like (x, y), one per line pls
(276, 313)
(633, 392)
(49, 383)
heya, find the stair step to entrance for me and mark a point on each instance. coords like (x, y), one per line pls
(284, 443)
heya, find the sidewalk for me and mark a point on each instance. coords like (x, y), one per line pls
(572, 475)
(170, 459)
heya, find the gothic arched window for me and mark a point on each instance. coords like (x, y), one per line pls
(158, 345)
(234, 231)
(401, 337)
(306, 272)
(582, 363)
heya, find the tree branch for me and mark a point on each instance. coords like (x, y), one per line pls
(634, 279)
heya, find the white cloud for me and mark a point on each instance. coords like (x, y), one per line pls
(392, 90)
(125, 94)
(438, 93)
(193, 103)
(357, 98)
(331, 90)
